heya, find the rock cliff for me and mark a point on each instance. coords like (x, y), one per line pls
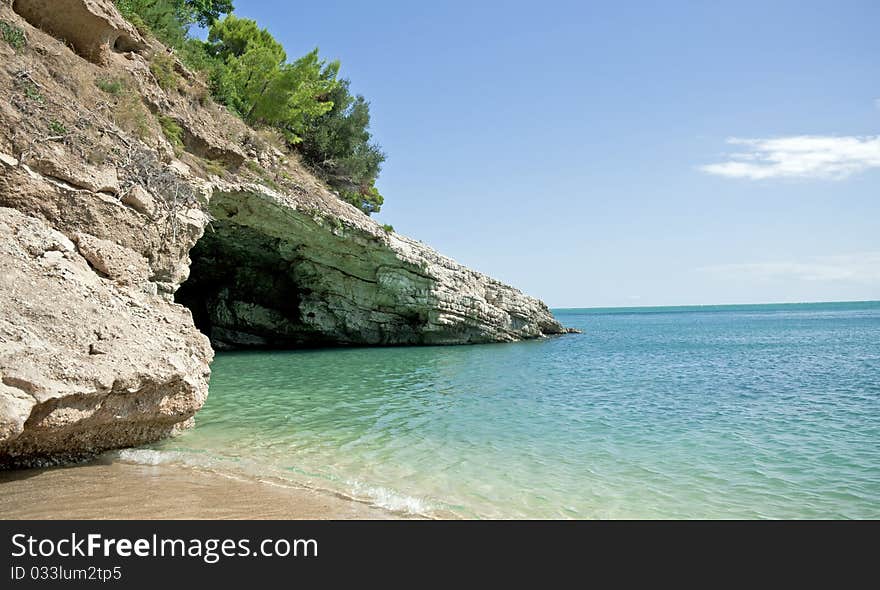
(125, 246)
(291, 269)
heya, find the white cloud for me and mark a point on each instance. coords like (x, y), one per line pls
(800, 156)
(862, 267)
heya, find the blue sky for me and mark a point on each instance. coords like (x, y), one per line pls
(611, 153)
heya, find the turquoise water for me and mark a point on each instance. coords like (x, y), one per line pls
(769, 411)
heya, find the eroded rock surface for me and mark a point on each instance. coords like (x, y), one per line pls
(93, 27)
(86, 363)
(277, 270)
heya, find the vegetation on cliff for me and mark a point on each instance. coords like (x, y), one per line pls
(249, 72)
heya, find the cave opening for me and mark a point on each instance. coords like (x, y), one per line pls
(86, 31)
(243, 294)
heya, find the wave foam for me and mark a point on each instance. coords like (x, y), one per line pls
(146, 456)
(391, 500)
(376, 495)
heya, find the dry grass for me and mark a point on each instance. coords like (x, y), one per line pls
(162, 67)
(197, 90)
(270, 138)
(99, 154)
(132, 116)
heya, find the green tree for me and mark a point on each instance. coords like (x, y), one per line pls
(338, 144)
(257, 81)
(366, 198)
(241, 80)
(250, 73)
(206, 12)
(170, 20)
(233, 36)
(298, 93)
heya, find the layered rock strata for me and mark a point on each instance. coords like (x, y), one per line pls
(274, 270)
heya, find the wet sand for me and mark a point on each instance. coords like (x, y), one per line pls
(113, 490)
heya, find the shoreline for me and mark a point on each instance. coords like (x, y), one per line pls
(172, 492)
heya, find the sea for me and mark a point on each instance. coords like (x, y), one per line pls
(700, 412)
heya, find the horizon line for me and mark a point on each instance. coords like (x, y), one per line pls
(715, 304)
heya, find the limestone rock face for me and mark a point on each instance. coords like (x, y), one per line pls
(55, 163)
(112, 260)
(120, 253)
(86, 363)
(287, 270)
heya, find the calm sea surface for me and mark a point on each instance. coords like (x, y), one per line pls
(766, 411)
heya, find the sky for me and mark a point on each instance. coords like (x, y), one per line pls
(622, 153)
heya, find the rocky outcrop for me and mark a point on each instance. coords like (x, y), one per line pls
(86, 363)
(291, 270)
(115, 245)
(92, 27)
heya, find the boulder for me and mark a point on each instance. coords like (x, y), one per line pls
(116, 262)
(86, 364)
(140, 200)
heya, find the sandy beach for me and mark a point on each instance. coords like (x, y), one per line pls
(113, 490)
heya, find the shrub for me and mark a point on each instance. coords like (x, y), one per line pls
(172, 130)
(367, 199)
(112, 86)
(214, 167)
(12, 35)
(56, 127)
(265, 176)
(162, 67)
(32, 92)
(388, 228)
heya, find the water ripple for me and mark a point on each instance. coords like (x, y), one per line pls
(703, 413)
